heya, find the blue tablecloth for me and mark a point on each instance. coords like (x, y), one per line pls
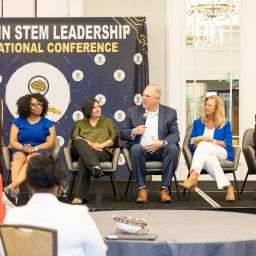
(185, 232)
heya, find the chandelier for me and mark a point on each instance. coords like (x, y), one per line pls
(206, 19)
(207, 35)
(195, 40)
(213, 10)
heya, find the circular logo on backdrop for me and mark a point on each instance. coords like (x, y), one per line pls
(101, 99)
(138, 58)
(77, 75)
(41, 78)
(119, 75)
(38, 84)
(78, 115)
(99, 59)
(137, 99)
(119, 115)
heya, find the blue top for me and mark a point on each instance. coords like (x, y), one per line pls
(33, 134)
(224, 134)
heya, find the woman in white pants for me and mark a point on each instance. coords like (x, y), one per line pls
(211, 141)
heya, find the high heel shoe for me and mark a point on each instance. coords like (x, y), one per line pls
(189, 184)
(12, 193)
(79, 201)
(230, 196)
(7, 191)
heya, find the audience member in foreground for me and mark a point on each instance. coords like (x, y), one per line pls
(211, 141)
(31, 133)
(77, 232)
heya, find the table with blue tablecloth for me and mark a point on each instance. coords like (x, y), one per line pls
(184, 232)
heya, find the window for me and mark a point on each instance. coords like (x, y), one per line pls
(212, 59)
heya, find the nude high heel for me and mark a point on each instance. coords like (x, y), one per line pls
(230, 196)
(77, 200)
(12, 193)
(190, 183)
(7, 191)
(15, 194)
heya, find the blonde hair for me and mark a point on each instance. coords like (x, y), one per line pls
(220, 117)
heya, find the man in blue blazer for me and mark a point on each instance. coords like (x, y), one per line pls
(152, 134)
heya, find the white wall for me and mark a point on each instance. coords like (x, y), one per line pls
(175, 72)
(53, 8)
(247, 65)
(247, 94)
(15, 8)
(154, 10)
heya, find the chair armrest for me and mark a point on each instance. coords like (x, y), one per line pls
(56, 152)
(249, 155)
(6, 157)
(56, 148)
(115, 158)
(127, 159)
(188, 156)
(237, 152)
(68, 158)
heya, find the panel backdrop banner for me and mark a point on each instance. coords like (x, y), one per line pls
(70, 59)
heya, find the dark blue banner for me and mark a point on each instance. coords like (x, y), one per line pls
(70, 59)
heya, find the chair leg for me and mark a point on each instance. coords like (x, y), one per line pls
(237, 190)
(241, 192)
(131, 186)
(8, 178)
(98, 197)
(177, 186)
(71, 184)
(128, 184)
(184, 190)
(113, 183)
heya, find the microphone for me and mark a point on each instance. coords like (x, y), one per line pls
(145, 115)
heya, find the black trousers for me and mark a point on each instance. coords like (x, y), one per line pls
(88, 158)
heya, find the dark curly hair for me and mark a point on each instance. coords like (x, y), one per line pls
(23, 104)
(87, 107)
(44, 172)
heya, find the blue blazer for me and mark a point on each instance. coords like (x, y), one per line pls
(224, 134)
(167, 125)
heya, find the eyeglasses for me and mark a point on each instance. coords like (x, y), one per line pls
(37, 104)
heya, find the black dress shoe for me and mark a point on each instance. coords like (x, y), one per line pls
(97, 172)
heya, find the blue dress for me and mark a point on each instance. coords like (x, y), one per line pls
(33, 134)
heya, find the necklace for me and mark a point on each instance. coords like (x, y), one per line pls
(33, 122)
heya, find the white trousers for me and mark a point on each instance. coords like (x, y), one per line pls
(207, 156)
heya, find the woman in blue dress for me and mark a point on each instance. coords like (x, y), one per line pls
(31, 133)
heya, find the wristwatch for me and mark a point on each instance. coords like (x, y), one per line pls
(164, 143)
(36, 149)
